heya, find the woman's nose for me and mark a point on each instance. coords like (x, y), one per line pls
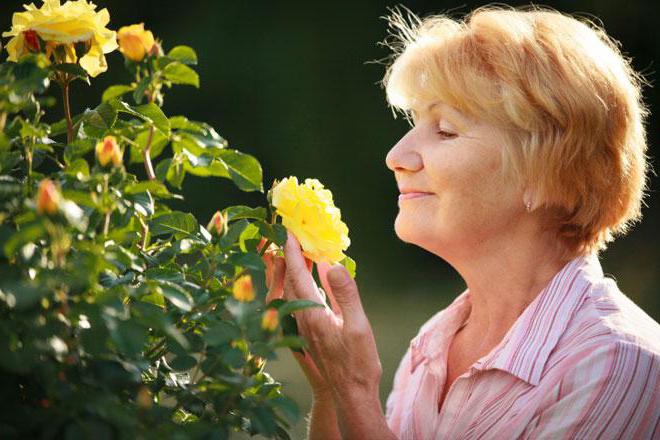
(403, 155)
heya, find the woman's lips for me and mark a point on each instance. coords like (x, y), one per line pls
(413, 195)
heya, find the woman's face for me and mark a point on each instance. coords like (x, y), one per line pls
(454, 198)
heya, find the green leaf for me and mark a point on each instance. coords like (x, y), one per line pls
(183, 54)
(172, 223)
(97, 122)
(29, 233)
(129, 336)
(241, 211)
(296, 305)
(78, 168)
(176, 295)
(158, 143)
(245, 170)
(72, 69)
(152, 113)
(179, 73)
(115, 92)
(149, 113)
(350, 265)
(221, 333)
(138, 94)
(155, 187)
(249, 233)
(183, 363)
(274, 232)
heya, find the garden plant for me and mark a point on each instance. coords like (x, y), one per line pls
(121, 317)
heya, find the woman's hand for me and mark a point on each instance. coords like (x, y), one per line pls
(341, 343)
(275, 273)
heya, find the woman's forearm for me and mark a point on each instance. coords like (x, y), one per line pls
(323, 420)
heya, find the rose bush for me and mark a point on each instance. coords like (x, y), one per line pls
(120, 316)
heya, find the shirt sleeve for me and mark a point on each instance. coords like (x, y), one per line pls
(613, 393)
(401, 378)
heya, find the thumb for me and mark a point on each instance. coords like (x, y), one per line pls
(346, 294)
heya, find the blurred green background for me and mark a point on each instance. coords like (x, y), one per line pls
(289, 82)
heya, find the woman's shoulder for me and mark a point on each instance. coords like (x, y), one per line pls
(609, 318)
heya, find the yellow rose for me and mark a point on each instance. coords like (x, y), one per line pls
(107, 150)
(309, 212)
(135, 42)
(64, 25)
(242, 289)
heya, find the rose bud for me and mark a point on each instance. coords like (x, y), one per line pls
(107, 150)
(270, 320)
(135, 42)
(243, 290)
(217, 224)
(48, 197)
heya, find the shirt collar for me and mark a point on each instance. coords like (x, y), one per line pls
(525, 348)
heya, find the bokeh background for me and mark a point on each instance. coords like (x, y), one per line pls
(294, 84)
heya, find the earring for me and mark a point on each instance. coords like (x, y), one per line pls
(527, 200)
(528, 206)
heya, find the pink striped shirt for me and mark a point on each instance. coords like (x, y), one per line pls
(581, 362)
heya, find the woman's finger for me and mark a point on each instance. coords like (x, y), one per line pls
(298, 279)
(323, 268)
(276, 282)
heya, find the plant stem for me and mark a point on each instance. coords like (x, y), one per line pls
(64, 83)
(28, 157)
(145, 234)
(146, 154)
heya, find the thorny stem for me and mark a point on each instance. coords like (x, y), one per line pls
(146, 154)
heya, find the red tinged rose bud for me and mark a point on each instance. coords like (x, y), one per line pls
(31, 39)
(107, 150)
(48, 197)
(270, 320)
(217, 224)
(243, 290)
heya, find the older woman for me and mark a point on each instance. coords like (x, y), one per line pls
(526, 157)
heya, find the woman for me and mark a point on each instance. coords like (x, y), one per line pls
(526, 157)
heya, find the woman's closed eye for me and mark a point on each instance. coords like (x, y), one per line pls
(446, 134)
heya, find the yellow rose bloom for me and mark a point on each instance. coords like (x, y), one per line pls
(308, 211)
(107, 150)
(135, 42)
(243, 290)
(64, 25)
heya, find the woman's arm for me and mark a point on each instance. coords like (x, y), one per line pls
(323, 419)
(341, 346)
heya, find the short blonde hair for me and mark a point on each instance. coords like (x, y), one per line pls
(559, 87)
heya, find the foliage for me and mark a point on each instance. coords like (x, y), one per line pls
(117, 317)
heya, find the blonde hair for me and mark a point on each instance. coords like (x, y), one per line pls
(559, 87)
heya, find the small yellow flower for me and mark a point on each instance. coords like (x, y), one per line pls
(243, 290)
(270, 320)
(107, 150)
(309, 212)
(135, 42)
(74, 22)
(217, 224)
(48, 197)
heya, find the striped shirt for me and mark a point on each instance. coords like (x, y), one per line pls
(582, 362)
